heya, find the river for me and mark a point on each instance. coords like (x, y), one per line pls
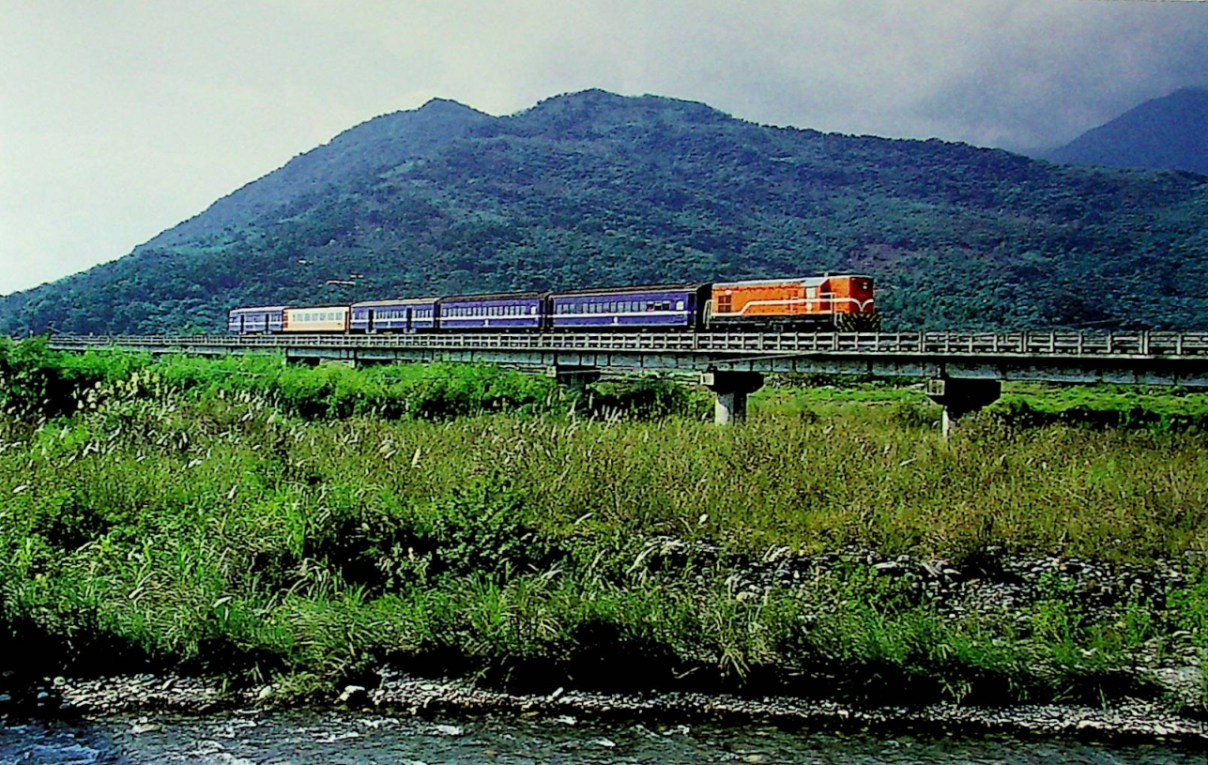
(294, 738)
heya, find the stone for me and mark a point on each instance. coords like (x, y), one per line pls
(352, 695)
(140, 728)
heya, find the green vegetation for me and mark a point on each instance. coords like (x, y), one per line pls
(592, 189)
(240, 518)
(1021, 405)
(40, 383)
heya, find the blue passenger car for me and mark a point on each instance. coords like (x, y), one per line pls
(405, 315)
(250, 321)
(517, 310)
(666, 306)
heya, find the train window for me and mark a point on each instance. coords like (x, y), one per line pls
(811, 293)
(679, 305)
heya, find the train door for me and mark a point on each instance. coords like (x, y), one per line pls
(372, 320)
(242, 323)
(409, 329)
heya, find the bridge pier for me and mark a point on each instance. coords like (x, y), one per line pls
(961, 396)
(731, 389)
(573, 377)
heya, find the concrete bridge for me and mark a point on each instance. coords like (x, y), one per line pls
(964, 371)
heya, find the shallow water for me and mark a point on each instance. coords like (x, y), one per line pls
(294, 738)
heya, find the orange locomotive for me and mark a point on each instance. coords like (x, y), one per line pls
(843, 302)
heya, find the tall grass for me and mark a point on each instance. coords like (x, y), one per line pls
(231, 517)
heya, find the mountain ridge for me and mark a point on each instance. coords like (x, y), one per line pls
(1167, 133)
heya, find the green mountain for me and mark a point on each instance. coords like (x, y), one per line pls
(595, 189)
(1169, 133)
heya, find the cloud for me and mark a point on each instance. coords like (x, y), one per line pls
(133, 116)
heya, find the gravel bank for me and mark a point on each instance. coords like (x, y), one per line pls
(402, 695)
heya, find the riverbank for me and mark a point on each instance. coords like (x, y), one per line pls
(149, 696)
(1156, 696)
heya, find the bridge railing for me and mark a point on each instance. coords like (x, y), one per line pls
(1124, 344)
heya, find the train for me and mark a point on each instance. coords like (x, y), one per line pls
(840, 302)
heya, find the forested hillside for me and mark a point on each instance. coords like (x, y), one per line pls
(594, 189)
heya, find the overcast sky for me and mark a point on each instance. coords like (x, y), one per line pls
(119, 119)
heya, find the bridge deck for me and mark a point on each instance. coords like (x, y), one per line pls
(1147, 344)
(1151, 358)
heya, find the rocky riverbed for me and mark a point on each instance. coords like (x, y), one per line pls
(422, 697)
